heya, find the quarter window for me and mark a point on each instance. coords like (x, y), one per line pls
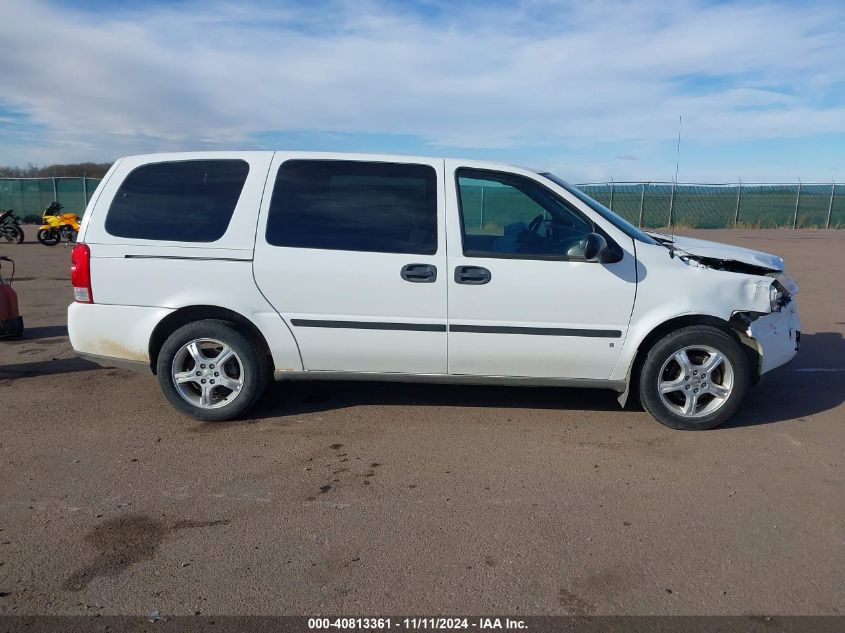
(185, 201)
(354, 206)
(507, 215)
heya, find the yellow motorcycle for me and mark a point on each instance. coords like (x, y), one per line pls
(57, 226)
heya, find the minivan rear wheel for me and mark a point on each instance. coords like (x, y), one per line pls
(694, 378)
(211, 371)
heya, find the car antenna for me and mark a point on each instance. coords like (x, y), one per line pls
(675, 181)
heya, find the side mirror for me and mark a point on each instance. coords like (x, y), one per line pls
(596, 249)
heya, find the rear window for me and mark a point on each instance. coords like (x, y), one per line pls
(354, 206)
(185, 201)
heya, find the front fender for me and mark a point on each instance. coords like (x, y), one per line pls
(670, 290)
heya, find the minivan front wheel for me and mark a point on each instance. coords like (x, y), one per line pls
(211, 371)
(695, 378)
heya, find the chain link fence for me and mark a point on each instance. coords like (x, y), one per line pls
(30, 196)
(646, 204)
(715, 206)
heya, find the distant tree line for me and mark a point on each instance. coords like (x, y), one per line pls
(91, 170)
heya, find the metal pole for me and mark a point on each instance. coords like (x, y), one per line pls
(738, 200)
(85, 188)
(611, 193)
(672, 205)
(642, 204)
(830, 206)
(797, 202)
(55, 190)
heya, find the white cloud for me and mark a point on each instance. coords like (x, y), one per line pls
(467, 75)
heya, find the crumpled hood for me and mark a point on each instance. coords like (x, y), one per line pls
(717, 250)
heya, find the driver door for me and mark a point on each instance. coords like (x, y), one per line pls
(522, 300)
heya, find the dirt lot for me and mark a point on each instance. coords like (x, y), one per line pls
(385, 498)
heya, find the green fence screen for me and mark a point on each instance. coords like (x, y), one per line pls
(703, 206)
(30, 196)
(649, 204)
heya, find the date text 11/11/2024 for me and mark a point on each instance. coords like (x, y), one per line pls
(416, 623)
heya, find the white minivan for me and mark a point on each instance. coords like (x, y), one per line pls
(218, 271)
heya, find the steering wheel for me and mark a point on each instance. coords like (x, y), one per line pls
(535, 224)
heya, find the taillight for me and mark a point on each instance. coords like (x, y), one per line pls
(80, 273)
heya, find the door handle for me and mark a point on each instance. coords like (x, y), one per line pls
(472, 275)
(419, 273)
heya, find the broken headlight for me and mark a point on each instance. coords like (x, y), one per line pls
(781, 291)
(778, 296)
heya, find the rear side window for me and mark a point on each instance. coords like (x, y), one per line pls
(185, 201)
(354, 206)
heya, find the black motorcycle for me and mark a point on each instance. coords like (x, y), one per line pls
(10, 227)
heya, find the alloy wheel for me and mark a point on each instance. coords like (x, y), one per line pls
(695, 381)
(207, 373)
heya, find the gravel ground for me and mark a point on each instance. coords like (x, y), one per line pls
(385, 498)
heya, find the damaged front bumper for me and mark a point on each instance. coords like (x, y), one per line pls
(776, 336)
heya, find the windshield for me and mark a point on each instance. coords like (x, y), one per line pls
(620, 223)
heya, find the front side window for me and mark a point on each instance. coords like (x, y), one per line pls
(508, 215)
(354, 206)
(184, 201)
(616, 220)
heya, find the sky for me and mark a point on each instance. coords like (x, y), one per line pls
(590, 89)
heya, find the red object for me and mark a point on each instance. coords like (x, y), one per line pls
(80, 273)
(11, 323)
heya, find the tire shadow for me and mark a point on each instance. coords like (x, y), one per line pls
(46, 368)
(814, 382)
(302, 397)
(44, 331)
(787, 393)
(40, 333)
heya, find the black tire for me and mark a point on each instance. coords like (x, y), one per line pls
(661, 365)
(253, 371)
(12, 233)
(48, 237)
